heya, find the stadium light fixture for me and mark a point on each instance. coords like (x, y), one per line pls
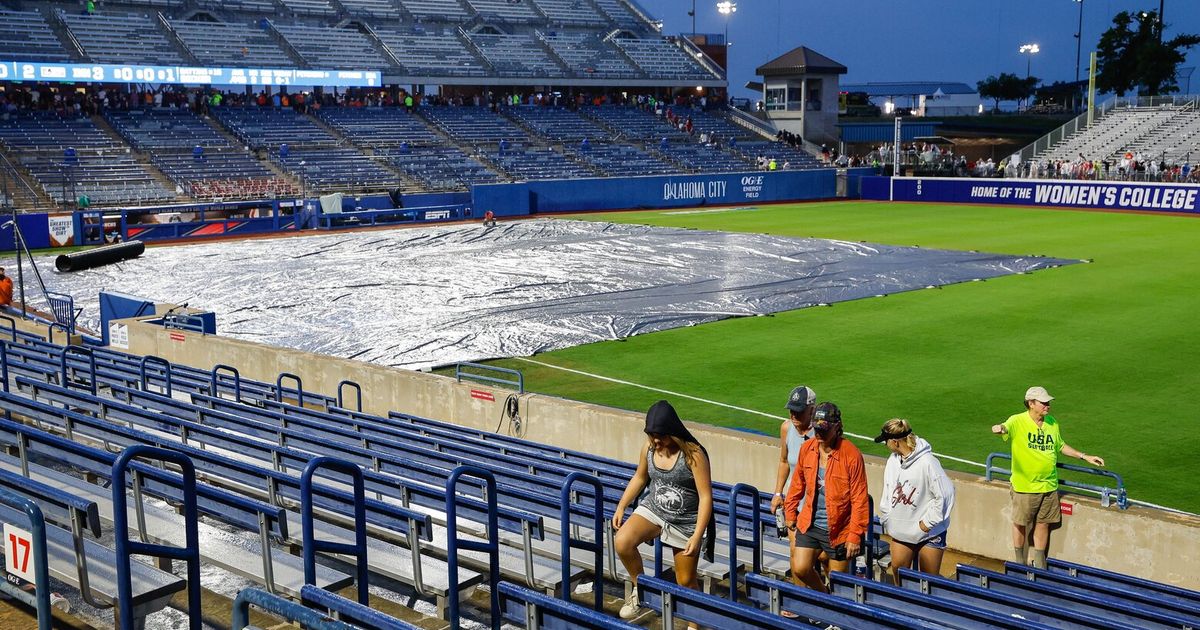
(726, 8)
(1031, 50)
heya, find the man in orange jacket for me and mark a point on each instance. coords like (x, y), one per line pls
(831, 477)
(6, 289)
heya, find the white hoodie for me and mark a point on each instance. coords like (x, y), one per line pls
(916, 489)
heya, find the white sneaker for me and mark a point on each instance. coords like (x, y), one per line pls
(631, 608)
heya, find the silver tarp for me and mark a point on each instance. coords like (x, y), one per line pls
(437, 295)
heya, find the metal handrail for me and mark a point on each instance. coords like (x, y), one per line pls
(358, 549)
(459, 374)
(40, 598)
(276, 605)
(127, 548)
(569, 541)
(755, 542)
(1106, 493)
(453, 543)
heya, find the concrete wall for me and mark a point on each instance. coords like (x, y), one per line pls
(1146, 543)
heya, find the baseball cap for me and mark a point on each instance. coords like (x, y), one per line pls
(826, 416)
(801, 398)
(1039, 394)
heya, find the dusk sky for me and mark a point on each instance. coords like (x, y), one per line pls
(920, 40)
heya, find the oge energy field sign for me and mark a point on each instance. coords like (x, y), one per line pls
(1101, 195)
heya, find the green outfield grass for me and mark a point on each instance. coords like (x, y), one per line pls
(1115, 341)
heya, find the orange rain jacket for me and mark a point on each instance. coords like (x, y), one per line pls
(846, 501)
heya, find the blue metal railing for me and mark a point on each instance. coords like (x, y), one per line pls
(357, 394)
(55, 325)
(569, 542)
(287, 609)
(63, 307)
(87, 352)
(311, 545)
(182, 321)
(347, 610)
(1106, 493)
(127, 547)
(519, 383)
(166, 370)
(4, 366)
(735, 541)
(41, 572)
(215, 382)
(12, 326)
(299, 388)
(453, 543)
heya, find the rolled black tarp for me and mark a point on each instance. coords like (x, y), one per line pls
(99, 256)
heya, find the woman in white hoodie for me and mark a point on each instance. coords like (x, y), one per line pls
(917, 499)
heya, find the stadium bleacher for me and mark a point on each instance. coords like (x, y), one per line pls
(48, 132)
(444, 10)
(380, 126)
(262, 128)
(25, 36)
(445, 168)
(661, 59)
(162, 128)
(633, 123)
(333, 47)
(570, 12)
(229, 174)
(516, 55)
(327, 170)
(108, 396)
(122, 38)
(624, 160)
(475, 125)
(104, 178)
(434, 54)
(589, 56)
(558, 124)
(532, 163)
(511, 11)
(230, 45)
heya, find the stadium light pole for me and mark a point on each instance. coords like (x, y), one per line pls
(1078, 40)
(1030, 50)
(726, 8)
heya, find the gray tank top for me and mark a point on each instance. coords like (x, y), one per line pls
(672, 493)
(794, 441)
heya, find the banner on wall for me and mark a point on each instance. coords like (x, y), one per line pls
(1149, 197)
(62, 231)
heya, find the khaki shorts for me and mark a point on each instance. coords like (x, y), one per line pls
(1035, 507)
(672, 535)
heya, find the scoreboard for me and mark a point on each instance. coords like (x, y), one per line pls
(183, 75)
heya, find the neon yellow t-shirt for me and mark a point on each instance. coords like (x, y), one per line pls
(1034, 452)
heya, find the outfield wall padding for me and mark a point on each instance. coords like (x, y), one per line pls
(1145, 197)
(668, 191)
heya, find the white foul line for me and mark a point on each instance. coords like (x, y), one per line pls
(711, 402)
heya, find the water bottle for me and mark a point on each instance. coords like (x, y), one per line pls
(860, 565)
(1105, 498)
(780, 525)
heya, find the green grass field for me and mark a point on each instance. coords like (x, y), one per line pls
(1114, 341)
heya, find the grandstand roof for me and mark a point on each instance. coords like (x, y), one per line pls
(800, 60)
(909, 88)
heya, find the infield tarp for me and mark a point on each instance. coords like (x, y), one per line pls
(437, 295)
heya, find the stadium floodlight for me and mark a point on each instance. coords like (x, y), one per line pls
(1078, 40)
(1031, 50)
(726, 8)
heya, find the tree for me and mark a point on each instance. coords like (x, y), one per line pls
(1132, 53)
(1006, 87)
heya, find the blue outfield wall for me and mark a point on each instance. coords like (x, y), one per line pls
(1150, 197)
(672, 191)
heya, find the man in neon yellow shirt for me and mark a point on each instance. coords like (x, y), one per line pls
(1036, 442)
